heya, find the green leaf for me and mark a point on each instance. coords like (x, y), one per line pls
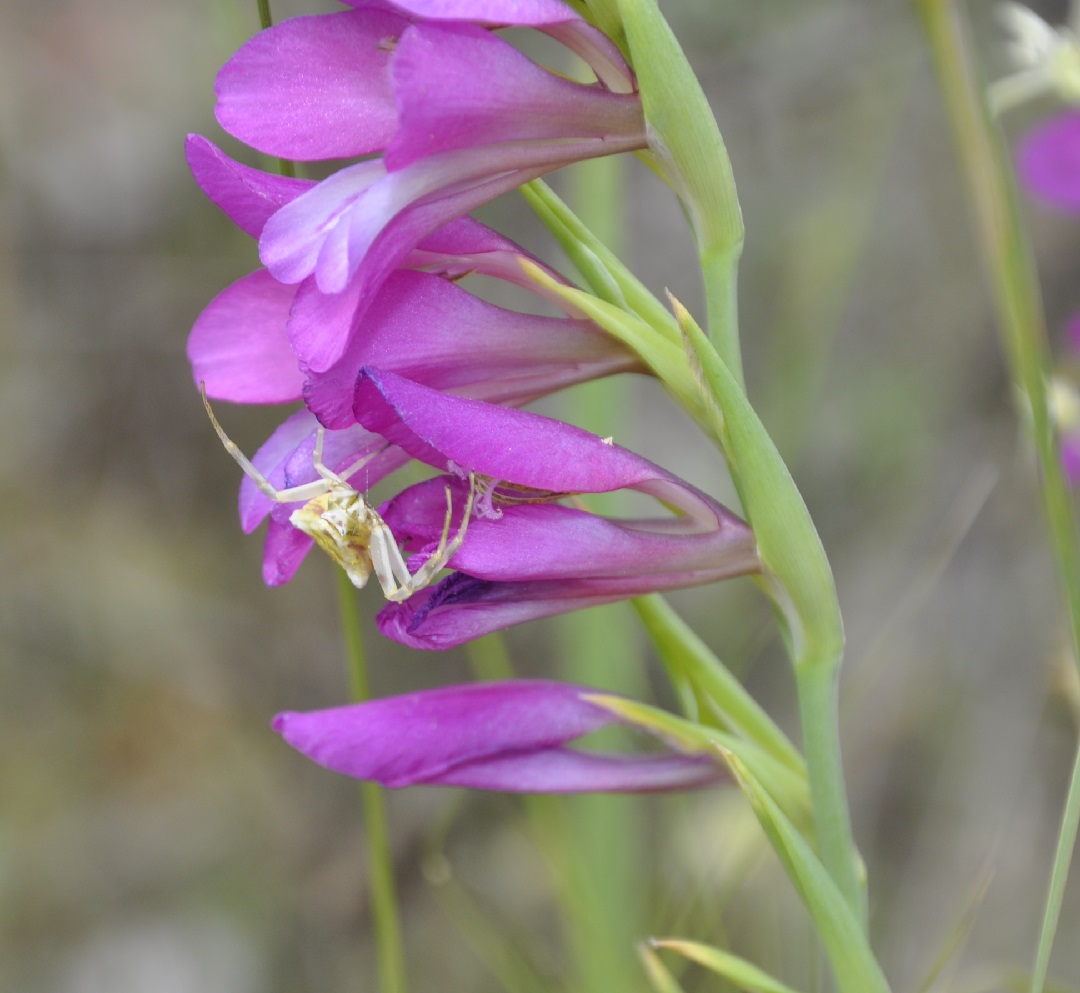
(845, 941)
(737, 970)
(662, 980)
(664, 357)
(685, 139)
(684, 653)
(789, 788)
(798, 573)
(603, 271)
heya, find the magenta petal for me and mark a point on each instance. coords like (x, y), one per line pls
(314, 87)
(283, 551)
(402, 740)
(294, 237)
(445, 104)
(238, 345)
(321, 324)
(503, 443)
(362, 224)
(1049, 161)
(248, 196)
(504, 736)
(271, 459)
(434, 332)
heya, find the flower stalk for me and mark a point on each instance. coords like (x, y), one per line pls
(991, 185)
(390, 949)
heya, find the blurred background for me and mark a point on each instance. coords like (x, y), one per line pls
(156, 836)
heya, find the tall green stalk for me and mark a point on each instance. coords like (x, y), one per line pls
(992, 187)
(388, 942)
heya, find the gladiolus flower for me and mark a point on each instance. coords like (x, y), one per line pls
(262, 341)
(527, 556)
(508, 736)
(452, 137)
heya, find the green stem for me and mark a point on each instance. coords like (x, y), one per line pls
(390, 952)
(266, 20)
(1070, 819)
(1015, 285)
(818, 683)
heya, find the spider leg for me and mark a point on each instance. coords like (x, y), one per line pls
(295, 494)
(387, 563)
(445, 549)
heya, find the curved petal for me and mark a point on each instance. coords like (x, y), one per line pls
(358, 225)
(548, 541)
(314, 87)
(238, 345)
(453, 433)
(249, 197)
(1049, 161)
(293, 238)
(445, 104)
(321, 324)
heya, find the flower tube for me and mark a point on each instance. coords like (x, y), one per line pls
(526, 555)
(507, 736)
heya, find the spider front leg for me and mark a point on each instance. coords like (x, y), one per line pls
(390, 569)
(294, 494)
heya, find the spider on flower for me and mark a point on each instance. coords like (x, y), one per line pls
(347, 527)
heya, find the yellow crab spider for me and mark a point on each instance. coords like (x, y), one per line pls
(346, 526)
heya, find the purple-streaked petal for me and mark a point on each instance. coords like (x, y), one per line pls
(1049, 161)
(445, 104)
(434, 332)
(462, 608)
(504, 736)
(249, 197)
(238, 345)
(314, 87)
